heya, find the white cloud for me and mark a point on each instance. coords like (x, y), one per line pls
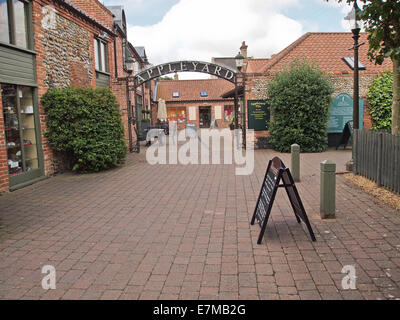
(344, 7)
(194, 29)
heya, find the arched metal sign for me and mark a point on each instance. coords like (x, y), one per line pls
(154, 72)
(182, 66)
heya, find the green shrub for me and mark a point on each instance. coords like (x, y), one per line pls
(380, 99)
(84, 124)
(300, 97)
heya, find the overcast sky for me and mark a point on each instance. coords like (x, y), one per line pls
(174, 30)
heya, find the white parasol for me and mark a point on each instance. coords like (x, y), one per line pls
(162, 110)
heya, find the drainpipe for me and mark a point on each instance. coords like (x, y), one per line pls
(129, 106)
(115, 58)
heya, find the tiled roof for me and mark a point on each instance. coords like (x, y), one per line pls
(327, 50)
(256, 65)
(189, 90)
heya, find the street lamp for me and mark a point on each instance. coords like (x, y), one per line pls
(239, 65)
(239, 60)
(129, 62)
(355, 25)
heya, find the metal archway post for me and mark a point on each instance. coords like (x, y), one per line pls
(137, 146)
(244, 124)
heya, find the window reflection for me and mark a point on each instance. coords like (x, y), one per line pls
(4, 28)
(20, 24)
(14, 23)
(19, 128)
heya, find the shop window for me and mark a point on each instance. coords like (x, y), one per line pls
(101, 55)
(177, 114)
(137, 68)
(228, 113)
(20, 129)
(181, 113)
(172, 114)
(14, 22)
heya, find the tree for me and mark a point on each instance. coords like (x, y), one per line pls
(300, 98)
(380, 97)
(382, 22)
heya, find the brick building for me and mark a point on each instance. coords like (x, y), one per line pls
(326, 50)
(48, 44)
(197, 101)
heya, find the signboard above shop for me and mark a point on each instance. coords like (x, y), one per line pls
(341, 111)
(258, 114)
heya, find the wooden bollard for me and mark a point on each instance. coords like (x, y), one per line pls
(295, 164)
(328, 190)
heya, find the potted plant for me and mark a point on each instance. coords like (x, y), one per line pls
(232, 124)
(145, 124)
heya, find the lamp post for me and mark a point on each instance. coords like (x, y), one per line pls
(239, 60)
(129, 62)
(355, 25)
(239, 65)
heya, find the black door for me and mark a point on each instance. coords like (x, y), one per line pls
(204, 117)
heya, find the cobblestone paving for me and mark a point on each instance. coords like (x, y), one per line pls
(183, 232)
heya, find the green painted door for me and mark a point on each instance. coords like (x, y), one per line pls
(341, 111)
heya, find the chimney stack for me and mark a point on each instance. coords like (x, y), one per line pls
(176, 77)
(243, 49)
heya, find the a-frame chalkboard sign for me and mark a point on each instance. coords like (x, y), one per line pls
(346, 134)
(278, 176)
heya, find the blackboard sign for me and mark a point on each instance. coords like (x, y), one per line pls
(346, 135)
(268, 191)
(277, 173)
(258, 114)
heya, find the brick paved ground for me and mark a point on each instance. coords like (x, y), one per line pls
(183, 232)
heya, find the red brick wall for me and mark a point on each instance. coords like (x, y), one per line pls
(119, 87)
(96, 10)
(119, 90)
(120, 64)
(77, 77)
(41, 73)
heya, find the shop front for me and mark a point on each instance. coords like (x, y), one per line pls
(22, 134)
(177, 115)
(19, 108)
